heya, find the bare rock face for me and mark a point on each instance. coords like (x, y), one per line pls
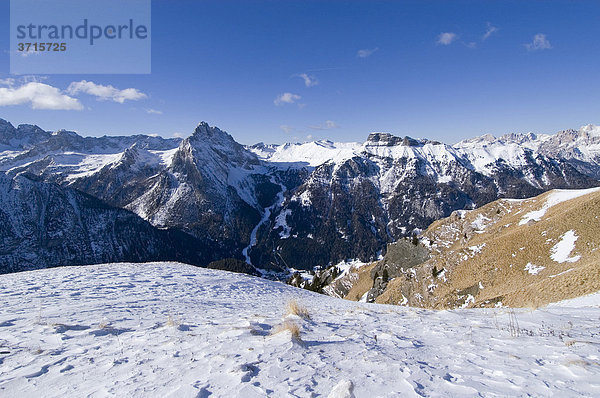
(402, 260)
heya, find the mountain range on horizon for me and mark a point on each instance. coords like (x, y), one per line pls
(277, 207)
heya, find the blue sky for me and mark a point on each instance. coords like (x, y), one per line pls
(278, 71)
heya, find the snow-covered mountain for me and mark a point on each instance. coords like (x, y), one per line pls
(370, 194)
(299, 205)
(172, 330)
(213, 188)
(580, 148)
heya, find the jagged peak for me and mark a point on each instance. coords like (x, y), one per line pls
(204, 133)
(518, 138)
(209, 143)
(6, 124)
(482, 139)
(591, 129)
(388, 139)
(383, 139)
(65, 133)
(205, 130)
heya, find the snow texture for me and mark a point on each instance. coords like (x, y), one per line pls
(555, 197)
(172, 330)
(534, 269)
(562, 250)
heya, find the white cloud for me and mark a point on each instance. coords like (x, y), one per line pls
(489, 31)
(153, 112)
(178, 135)
(286, 98)
(364, 53)
(540, 42)
(309, 80)
(446, 38)
(105, 93)
(328, 125)
(39, 95)
(287, 129)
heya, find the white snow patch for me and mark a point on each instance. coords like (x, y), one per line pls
(555, 197)
(344, 389)
(363, 298)
(533, 269)
(349, 265)
(305, 198)
(562, 250)
(309, 153)
(562, 273)
(280, 222)
(444, 179)
(590, 300)
(470, 299)
(477, 248)
(166, 157)
(480, 222)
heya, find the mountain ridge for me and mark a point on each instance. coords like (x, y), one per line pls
(300, 205)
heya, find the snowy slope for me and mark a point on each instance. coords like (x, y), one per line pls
(306, 154)
(168, 329)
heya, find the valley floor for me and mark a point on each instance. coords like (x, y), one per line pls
(168, 329)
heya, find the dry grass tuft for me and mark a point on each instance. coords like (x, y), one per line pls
(104, 324)
(362, 284)
(173, 322)
(288, 326)
(295, 308)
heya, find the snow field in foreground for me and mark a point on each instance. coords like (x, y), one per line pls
(168, 329)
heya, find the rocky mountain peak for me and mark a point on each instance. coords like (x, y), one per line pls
(5, 125)
(591, 129)
(214, 134)
(387, 139)
(65, 133)
(518, 138)
(212, 143)
(23, 136)
(7, 131)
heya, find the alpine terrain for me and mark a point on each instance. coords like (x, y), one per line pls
(173, 330)
(206, 199)
(516, 253)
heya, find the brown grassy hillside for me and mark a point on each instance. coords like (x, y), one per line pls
(493, 255)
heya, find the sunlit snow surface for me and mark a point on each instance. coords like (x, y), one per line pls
(562, 250)
(167, 329)
(556, 196)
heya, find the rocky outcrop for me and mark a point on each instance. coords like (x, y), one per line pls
(402, 260)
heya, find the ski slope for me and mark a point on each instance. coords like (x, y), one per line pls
(169, 329)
